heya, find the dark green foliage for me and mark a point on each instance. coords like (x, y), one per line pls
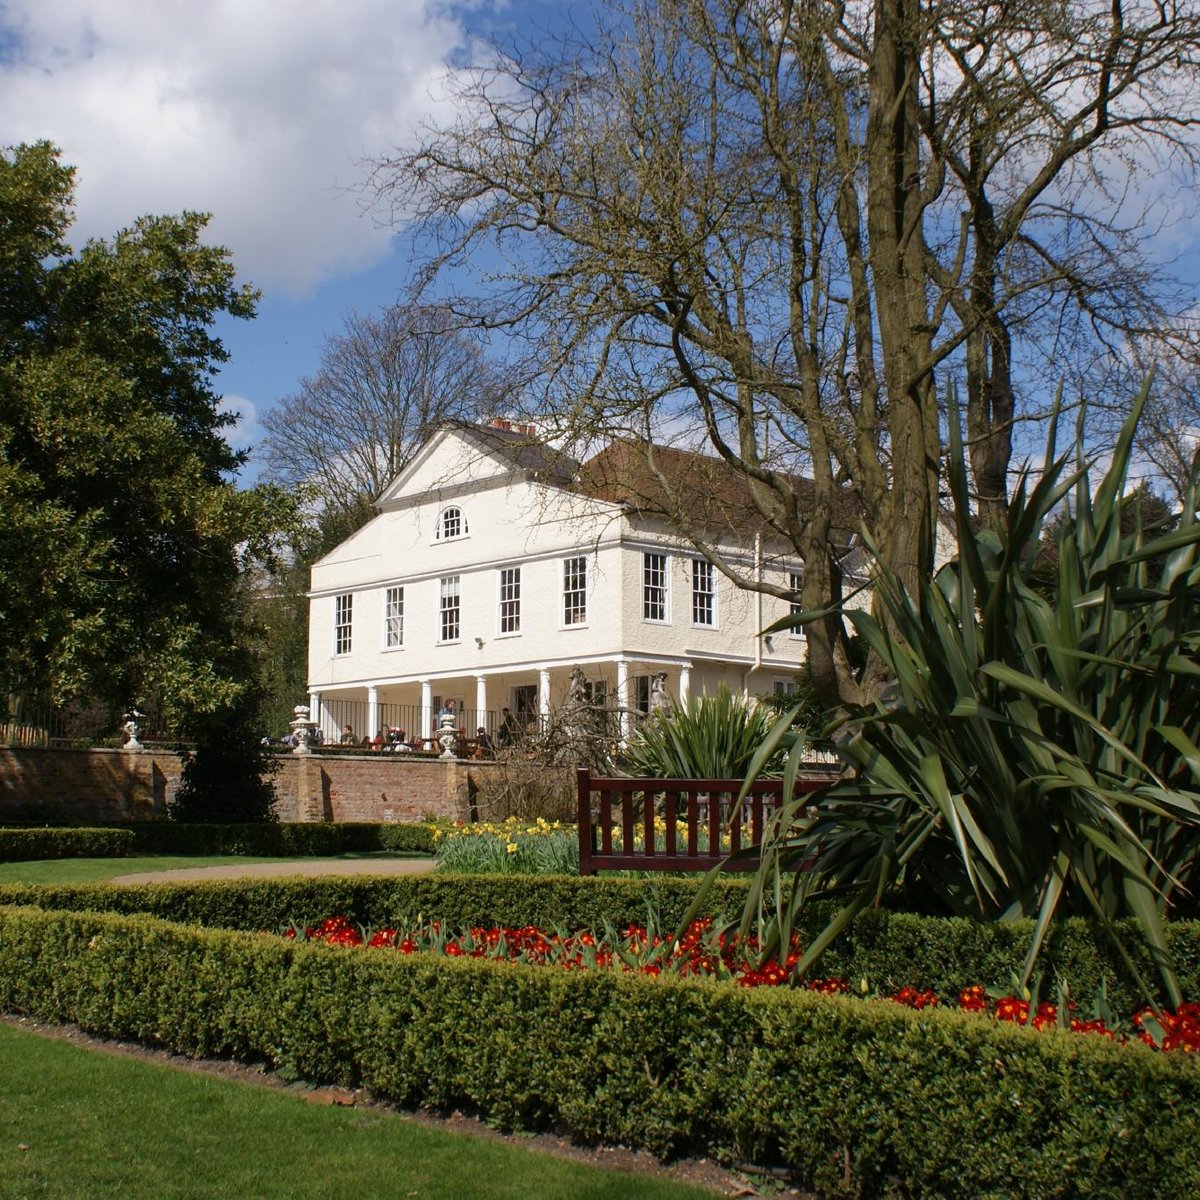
(33, 845)
(227, 777)
(705, 737)
(1029, 759)
(124, 535)
(889, 950)
(857, 1099)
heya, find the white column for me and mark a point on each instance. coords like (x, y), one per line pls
(426, 709)
(372, 711)
(623, 696)
(314, 710)
(544, 692)
(685, 682)
(481, 703)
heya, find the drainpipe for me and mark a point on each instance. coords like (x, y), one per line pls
(758, 604)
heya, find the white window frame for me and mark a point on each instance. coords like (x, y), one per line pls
(574, 583)
(393, 617)
(455, 513)
(703, 572)
(343, 623)
(508, 613)
(656, 587)
(795, 582)
(449, 609)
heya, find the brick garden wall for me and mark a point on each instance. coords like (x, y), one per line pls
(109, 785)
(39, 783)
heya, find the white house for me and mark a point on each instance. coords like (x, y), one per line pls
(495, 566)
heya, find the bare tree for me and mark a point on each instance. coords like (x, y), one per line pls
(774, 223)
(352, 427)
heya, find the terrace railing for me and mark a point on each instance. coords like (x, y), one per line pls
(674, 824)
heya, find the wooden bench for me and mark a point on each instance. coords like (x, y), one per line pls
(692, 816)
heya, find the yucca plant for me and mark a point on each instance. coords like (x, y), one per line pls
(1031, 757)
(705, 737)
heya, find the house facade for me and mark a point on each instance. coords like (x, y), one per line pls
(496, 567)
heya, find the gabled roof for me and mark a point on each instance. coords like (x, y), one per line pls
(520, 446)
(714, 495)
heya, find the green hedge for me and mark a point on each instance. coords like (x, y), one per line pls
(888, 950)
(266, 839)
(855, 1098)
(551, 902)
(32, 845)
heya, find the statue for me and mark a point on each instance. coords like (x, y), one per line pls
(577, 690)
(659, 701)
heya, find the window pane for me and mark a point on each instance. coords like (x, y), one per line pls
(393, 617)
(574, 591)
(654, 587)
(510, 600)
(451, 524)
(450, 610)
(343, 609)
(795, 582)
(703, 592)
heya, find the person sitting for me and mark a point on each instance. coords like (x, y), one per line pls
(380, 740)
(348, 738)
(400, 741)
(484, 747)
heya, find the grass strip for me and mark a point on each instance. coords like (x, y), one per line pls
(76, 1122)
(98, 870)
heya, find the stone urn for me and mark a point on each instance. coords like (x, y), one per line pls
(302, 730)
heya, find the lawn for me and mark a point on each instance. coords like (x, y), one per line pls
(97, 870)
(76, 1122)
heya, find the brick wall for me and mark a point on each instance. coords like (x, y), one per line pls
(86, 785)
(110, 785)
(384, 787)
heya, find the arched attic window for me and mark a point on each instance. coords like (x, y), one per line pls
(451, 524)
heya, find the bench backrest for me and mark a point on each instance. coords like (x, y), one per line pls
(673, 824)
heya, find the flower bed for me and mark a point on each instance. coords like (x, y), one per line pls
(838, 1091)
(537, 847)
(706, 952)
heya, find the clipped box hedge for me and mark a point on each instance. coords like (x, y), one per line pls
(169, 837)
(888, 950)
(33, 845)
(855, 1098)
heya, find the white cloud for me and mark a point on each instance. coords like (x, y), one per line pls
(255, 110)
(246, 431)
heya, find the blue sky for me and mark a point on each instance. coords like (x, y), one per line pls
(261, 112)
(264, 112)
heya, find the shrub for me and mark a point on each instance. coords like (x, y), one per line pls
(705, 737)
(526, 784)
(1032, 757)
(228, 777)
(269, 840)
(888, 949)
(31, 845)
(840, 1092)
